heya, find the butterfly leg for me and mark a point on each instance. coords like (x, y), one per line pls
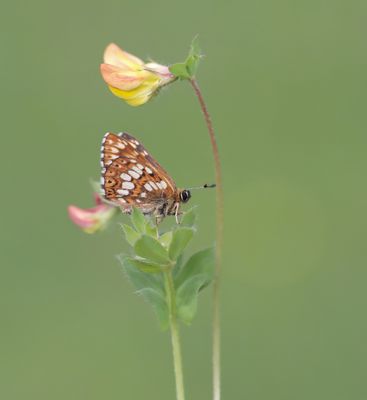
(177, 207)
(160, 213)
(126, 209)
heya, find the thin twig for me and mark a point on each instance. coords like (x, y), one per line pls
(219, 243)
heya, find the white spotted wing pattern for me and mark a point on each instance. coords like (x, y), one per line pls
(132, 178)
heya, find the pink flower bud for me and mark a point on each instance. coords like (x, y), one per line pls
(92, 219)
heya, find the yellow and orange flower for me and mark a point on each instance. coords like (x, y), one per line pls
(130, 78)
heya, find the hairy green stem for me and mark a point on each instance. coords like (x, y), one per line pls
(175, 337)
(219, 242)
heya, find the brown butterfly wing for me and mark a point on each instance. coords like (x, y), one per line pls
(130, 175)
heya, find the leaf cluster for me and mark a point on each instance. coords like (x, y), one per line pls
(156, 254)
(188, 68)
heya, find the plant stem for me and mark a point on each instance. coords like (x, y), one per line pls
(219, 242)
(175, 337)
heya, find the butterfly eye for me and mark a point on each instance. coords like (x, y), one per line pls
(185, 196)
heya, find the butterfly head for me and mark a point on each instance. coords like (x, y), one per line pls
(185, 195)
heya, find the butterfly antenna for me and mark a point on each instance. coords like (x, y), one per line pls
(206, 186)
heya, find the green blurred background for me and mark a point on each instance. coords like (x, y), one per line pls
(285, 82)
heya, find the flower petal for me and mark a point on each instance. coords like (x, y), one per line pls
(92, 219)
(140, 100)
(81, 217)
(161, 70)
(114, 55)
(137, 96)
(98, 199)
(124, 80)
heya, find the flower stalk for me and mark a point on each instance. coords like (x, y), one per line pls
(219, 241)
(175, 337)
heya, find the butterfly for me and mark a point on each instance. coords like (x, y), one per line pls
(132, 178)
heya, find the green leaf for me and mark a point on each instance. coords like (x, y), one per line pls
(144, 266)
(179, 70)
(187, 297)
(195, 47)
(150, 286)
(192, 61)
(187, 69)
(151, 230)
(165, 239)
(150, 249)
(139, 279)
(159, 304)
(192, 64)
(200, 263)
(96, 186)
(130, 234)
(189, 217)
(180, 239)
(177, 267)
(138, 220)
